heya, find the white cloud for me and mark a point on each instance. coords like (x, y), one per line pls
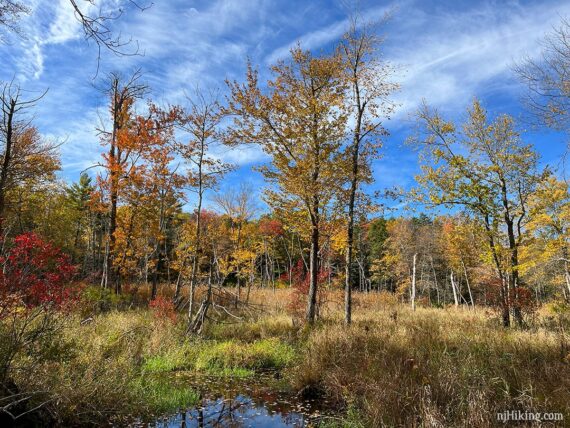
(65, 26)
(452, 57)
(449, 55)
(318, 38)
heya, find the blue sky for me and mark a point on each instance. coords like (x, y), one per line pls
(447, 52)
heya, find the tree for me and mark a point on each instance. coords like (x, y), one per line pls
(159, 183)
(550, 225)
(300, 123)
(367, 80)
(78, 198)
(399, 252)
(459, 235)
(122, 154)
(239, 206)
(25, 155)
(548, 80)
(485, 168)
(200, 121)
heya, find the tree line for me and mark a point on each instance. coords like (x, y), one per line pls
(138, 215)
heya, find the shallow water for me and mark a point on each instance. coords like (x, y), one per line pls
(261, 401)
(240, 411)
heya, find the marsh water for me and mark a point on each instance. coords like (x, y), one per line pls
(262, 401)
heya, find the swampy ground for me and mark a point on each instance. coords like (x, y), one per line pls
(443, 367)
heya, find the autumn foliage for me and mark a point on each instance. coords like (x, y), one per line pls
(163, 309)
(298, 298)
(38, 273)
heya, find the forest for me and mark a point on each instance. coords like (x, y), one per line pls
(150, 292)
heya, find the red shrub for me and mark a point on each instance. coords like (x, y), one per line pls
(38, 273)
(163, 309)
(521, 298)
(301, 281)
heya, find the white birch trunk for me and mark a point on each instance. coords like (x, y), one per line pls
(454, 289)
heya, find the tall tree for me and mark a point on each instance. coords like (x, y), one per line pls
(369, 86)
(200, 121)
(300, 123)
(123, 152)
(484, 167)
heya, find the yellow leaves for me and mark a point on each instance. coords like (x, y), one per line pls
(447, 128)
(339, 241)
(299, 122)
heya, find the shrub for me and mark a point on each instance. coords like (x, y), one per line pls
(163, 309)
(38, 273)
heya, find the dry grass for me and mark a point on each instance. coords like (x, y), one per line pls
(436, 368)
(392, 367)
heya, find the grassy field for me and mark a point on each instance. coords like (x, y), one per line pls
(393, 367)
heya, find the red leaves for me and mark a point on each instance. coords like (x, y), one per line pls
(271, 227)
(301, 283)
(37, 272)
(163, 309)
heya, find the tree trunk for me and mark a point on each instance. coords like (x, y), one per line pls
(454, 289)
(350, 231)
(514, 276)
(6, 161)
(313, 273)
(195, 257)
(468, 284)
(567, 279)
(504, 287)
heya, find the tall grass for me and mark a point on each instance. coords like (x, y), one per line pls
(392, 367)
(436, 368)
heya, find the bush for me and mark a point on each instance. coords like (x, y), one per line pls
(38, 273)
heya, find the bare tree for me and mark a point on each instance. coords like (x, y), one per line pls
(369, 87)
(11, 12)
(548, 80)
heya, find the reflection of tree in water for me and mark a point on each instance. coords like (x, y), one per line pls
(259, 401)
(239, 412)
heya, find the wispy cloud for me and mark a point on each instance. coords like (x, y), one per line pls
(447, 55)
(321, 37)
(451, 56)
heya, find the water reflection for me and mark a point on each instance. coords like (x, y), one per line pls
(241, 411)
(261, 401)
